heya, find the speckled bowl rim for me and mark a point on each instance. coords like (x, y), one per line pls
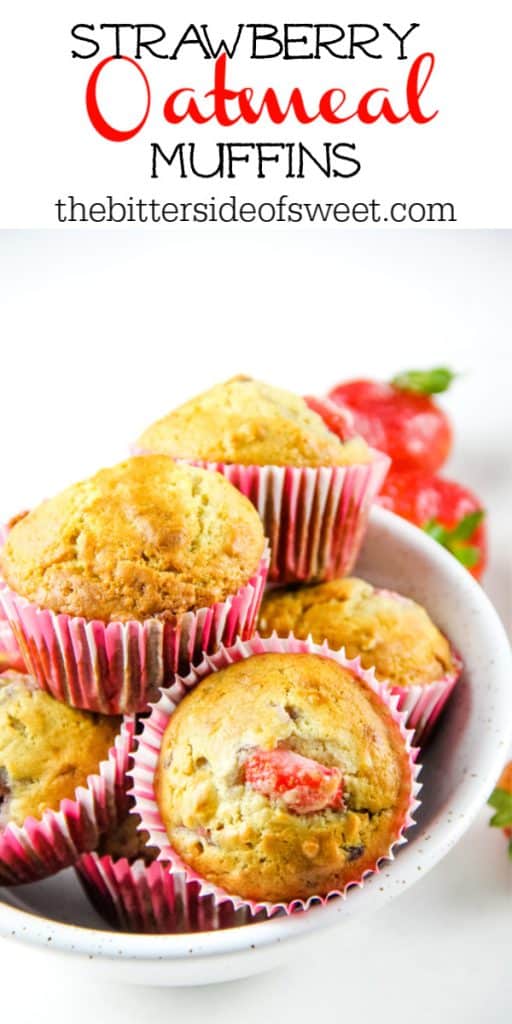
(415, 859)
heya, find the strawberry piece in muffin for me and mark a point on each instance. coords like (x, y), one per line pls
(302, 783)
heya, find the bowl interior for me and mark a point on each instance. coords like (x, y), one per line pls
(460, 767)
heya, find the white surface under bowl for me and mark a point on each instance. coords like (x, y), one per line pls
(460, 768)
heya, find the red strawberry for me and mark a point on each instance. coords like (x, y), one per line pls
(446, 510)
(401, 418)
(301, 783)
(501, 800)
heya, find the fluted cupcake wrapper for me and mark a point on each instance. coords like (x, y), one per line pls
(118, 667)
(41, 847)
(10, 654)
(150, 740)
(140, 897)
(422, 704)
(315, 518)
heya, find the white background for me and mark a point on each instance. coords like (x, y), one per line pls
(100, 334)
(50, 149)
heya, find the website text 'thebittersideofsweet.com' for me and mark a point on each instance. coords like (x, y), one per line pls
(232, 209)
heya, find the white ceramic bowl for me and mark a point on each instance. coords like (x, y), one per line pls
(460, 768)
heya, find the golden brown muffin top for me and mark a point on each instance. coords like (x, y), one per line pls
(127, 841)
(397, 636)
(256, 844)
(143, 539)
(47, 749)
(251, 423)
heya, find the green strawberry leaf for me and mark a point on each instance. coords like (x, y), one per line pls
(501, 800)
(424, 382)
(455, 539)
(437, 531)
(467, 554)
(467, 525)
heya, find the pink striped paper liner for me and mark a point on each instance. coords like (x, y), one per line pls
(10, 654)
(140, 897)
(150, 740)
(41, 847)
(314, 518)
(118, 667)
(422, 704)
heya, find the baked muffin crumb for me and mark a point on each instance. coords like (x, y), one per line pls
(387, 631)
(47, 749)
(248, 422)
(144, 539)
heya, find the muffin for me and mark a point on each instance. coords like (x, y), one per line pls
(57, 788)
(385, 630)
(251, 423)
(282, 776)
(143, 539)
(312, 490)
(152, 556)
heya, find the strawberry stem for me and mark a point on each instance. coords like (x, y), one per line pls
(424, 382)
